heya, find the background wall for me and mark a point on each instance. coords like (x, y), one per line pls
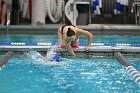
(106, 17)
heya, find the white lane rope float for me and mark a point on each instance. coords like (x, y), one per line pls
(130, 69)
(134, 73)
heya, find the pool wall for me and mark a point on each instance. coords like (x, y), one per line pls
(80, 52)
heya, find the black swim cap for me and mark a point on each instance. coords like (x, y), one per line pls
(70, 32)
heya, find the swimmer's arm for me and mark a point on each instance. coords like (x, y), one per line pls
(3, 15)
(70, 49)
(66, 44)
(86, 33)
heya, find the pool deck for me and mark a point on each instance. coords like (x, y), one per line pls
(97, 29)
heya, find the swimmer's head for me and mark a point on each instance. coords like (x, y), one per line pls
(71, 36)
(56, 58)
(70, 32)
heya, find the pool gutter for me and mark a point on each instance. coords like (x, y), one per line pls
(95, 51)
(80, 49)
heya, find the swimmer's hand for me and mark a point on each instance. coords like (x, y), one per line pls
(87, 48)
(74, 55)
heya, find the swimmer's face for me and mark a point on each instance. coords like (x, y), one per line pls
(72, 38)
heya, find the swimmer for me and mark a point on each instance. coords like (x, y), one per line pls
(50, 59)
(69, 37)
(53, 59)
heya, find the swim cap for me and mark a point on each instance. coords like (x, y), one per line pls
(56, 58)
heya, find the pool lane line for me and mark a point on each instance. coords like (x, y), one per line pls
(57, 43)
(6, 58)
(130, 69)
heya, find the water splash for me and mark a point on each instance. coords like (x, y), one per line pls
(51, 56)
(51, 53)
(36, 56)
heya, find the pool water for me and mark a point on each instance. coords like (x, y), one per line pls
(79, 75)
(52, 38)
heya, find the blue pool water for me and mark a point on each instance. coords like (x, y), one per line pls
(79, 75)
(51, 38)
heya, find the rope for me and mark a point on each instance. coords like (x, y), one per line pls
(130, 69)
(5, 59)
